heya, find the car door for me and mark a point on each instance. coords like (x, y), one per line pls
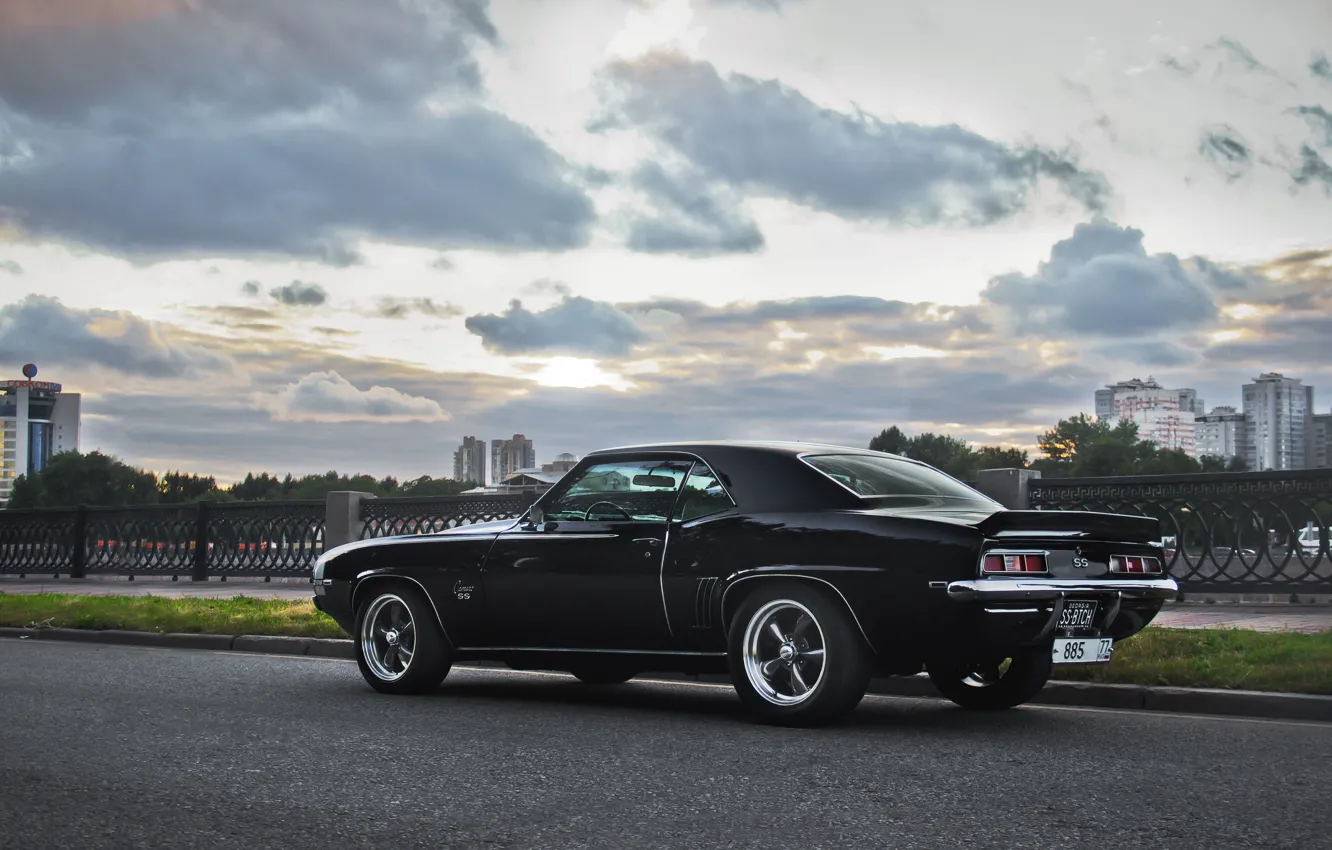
(588, 575)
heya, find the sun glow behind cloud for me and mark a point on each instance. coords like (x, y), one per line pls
(658, 25)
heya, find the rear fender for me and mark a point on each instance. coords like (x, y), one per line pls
(740, 586)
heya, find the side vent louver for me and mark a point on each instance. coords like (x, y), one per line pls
(703, 602)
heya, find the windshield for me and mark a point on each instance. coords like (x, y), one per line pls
(872, 476)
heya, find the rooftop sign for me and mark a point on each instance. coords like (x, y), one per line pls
(30, 385)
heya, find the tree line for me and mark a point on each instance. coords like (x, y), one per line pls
(100, 480)
(1081, 445)
(1077, 446)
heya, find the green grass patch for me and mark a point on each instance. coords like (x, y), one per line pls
(240, 615)
(1217, 658)
(1203, 658)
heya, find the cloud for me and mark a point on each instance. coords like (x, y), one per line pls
(442, 263)
(42, 329)
(689, 217)
(1101, 282)
(11, 267)
(1227, 151)
(764, 138)
(80, 57)
(251, 288)
(1312, 168)
(401, 308)
(762, 5)
(329, 397)
(298, 293)
(242, 127)
(575, 325)
(1320, 67)
(1318, 119)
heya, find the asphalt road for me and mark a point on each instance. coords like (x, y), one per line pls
(104, 746)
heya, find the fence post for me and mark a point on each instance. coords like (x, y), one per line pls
(1008, 487)
(78, 558)
(201, 543)
(342, 517)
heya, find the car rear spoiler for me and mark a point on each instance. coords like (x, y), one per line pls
(1082, 525)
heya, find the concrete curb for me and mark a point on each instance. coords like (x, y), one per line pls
(1282, 706)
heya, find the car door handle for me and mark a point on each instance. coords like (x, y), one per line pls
(651, 541)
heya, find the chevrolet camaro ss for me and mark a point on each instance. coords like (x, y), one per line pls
(801, 570)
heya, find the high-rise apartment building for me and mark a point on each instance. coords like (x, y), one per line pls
(37, 420)
(1164, 416)
(1221, 433)
(1279, 416)
(1320, 441)
(469, 461)
(509, 456)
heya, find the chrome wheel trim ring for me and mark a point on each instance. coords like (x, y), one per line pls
(388, 637)
(988, 677)
(783, 652)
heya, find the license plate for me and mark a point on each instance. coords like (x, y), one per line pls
(1082, 650)
(1077, 614)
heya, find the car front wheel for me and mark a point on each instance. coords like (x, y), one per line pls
(796, 656)
(994, 684)
(399, 646)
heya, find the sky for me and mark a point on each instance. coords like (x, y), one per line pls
(343, 234)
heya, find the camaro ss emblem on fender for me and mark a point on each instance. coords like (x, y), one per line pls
(463, 591)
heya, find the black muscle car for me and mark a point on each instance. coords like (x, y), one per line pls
(801, 570)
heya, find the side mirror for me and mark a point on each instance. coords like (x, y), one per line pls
(536, 516)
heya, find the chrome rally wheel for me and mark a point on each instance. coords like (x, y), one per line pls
(400, 647)
(388, 637)
(796, 655)
(784, 652)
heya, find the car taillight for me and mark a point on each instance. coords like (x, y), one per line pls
(1015, 562)
(1134, 564)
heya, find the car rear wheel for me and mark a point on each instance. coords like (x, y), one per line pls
(399, 646)
(796, 656)
(995, 683)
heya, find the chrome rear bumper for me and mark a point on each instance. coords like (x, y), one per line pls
(1018, 589)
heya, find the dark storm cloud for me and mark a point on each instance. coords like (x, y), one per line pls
(298, 293)
(1226, 150)
(42, 329)
(10, 267)
(689, 217)
(164, 128)
(469, 178)
(1101, 281)
(400, 308)
(575, 325)
(244, 56)
(765, 138)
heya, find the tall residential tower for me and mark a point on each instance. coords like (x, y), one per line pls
(37, 420)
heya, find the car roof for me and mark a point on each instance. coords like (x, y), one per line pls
(785, 447)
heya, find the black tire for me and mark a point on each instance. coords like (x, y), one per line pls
(839, 678)
(431, 655)
(1027, 673)
(603, 675)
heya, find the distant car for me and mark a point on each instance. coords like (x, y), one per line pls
(1309, 541)
(801, 570)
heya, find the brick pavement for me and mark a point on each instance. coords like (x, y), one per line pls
(1275, 617)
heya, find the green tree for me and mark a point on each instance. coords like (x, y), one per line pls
(1061, 443)
(1238, 464)
(427, 486)
(993, 457)
(176, 487)
(1212, 463)
(95, 479)
(890, 440)
(946, 454)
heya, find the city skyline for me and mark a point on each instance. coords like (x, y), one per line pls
(623, 221)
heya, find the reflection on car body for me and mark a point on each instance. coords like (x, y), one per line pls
(801, 570)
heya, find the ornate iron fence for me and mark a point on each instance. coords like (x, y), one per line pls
(38, 541)
(1246, 532)
(392, 516)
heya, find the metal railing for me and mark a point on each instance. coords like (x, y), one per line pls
(1236, 532)
(402, 515)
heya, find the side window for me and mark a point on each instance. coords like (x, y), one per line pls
(638, 491)
(703, 494)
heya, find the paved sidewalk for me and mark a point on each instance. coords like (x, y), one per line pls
(1276, 617)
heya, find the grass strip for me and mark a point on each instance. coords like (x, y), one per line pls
(239, 615)
(1201, 658)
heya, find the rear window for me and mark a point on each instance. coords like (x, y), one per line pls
(871, 476)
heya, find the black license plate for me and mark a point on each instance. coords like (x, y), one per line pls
(1077, 614)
